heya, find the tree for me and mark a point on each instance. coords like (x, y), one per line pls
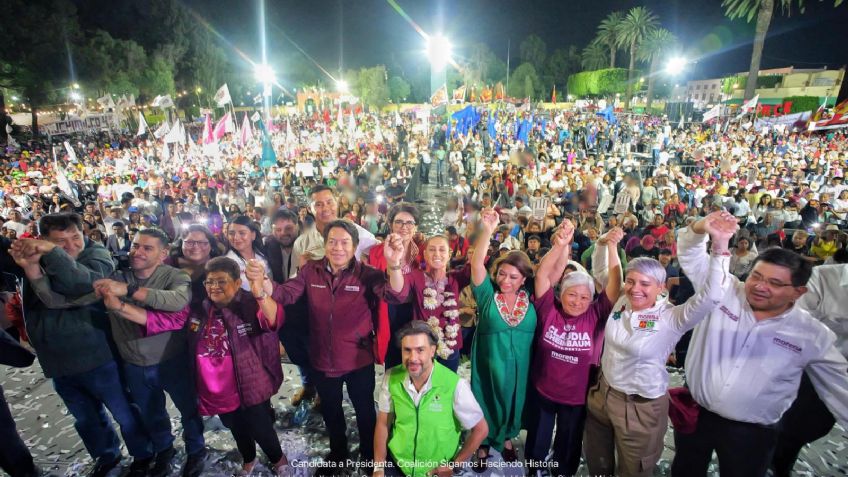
(524, 82)
(533, 51)
(608, 32)
(763, 10)
(655, 46)
(372, 87)
(561, 63)
(34, 38)
(399, 89)
(636, 25)
(594, 56)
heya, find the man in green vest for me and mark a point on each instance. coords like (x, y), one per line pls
(422, 410)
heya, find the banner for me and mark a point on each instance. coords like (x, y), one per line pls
(208, 133)
(162, 130)
(92, 122)
(246, 132)
(222, 97)
(176, 134)
(72, 155)
(750, 105)
(459, 94)
(440, 96)
(500, 94)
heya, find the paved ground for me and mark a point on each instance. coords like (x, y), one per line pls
(47, 428)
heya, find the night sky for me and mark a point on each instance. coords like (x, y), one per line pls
(372, 32)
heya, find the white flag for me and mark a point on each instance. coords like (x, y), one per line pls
(175, 134)
(351, 127)
(163, 102)
(750, 105)
(106, 102)
(166, 151)
(142, 124)
(256, 116)
(162, 130)
(71, 153)
(712, 113)
(222, 97)
(398, 121)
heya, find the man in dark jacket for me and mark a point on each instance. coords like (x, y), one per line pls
(74, 345)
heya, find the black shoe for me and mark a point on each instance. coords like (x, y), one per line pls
(162, 462)
(194, 464)
(140, 467)
(104, 465)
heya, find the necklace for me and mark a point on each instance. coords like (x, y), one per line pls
(515, 316)
(446, 327)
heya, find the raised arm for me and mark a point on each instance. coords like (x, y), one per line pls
(554, 262)
(394, 252)
(488, 223)
(691, 245)
(614, 275)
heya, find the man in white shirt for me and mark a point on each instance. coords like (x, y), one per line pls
(809, 419)
(426, 430)
(310, 244)
(746, 361)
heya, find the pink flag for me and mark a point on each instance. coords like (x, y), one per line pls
(207, 136)
(246, 132)
(221, 127)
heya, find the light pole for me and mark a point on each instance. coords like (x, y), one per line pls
(674, 67)
(439, 54)
(265, 75)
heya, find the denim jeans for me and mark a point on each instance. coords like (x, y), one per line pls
(148, 385)
(87, 395)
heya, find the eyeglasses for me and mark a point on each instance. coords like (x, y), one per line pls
(756, 278)
(195, 243)
(404, 223)
(216, 283)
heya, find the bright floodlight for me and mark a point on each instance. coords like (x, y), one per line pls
(341, 86)
(675, 65)
(438, 51)
(76, 96)
(264, 73)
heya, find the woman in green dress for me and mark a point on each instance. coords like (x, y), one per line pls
(500, 354)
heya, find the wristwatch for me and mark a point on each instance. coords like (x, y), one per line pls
(131, 289)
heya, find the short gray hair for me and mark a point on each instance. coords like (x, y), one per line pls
(649, 267)
(577, 279)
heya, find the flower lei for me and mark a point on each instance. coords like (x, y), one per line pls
(522, 303)
(433, 298)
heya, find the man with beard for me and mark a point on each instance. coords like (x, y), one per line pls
(427, 407)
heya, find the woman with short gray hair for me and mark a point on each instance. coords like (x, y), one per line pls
(628, 407)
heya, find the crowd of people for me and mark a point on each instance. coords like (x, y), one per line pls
(577, 258)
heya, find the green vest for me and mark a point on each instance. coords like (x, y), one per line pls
(426, 436)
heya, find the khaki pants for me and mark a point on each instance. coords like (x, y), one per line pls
(630, 426)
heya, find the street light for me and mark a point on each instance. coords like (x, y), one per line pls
(341, 86)
(675, 65)
(75, 96)
(438, 51)
(76, 86)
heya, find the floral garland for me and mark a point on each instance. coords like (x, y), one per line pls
(433, 298)
(522, 303)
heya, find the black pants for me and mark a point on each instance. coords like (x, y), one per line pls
(425, 173)
(744, 449)
(360, 389)
(807, 420)
(254, 425)
(15, 458)
(543, 415)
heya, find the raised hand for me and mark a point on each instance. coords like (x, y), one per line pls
(489, 220)
(567, 229)
(255, 274)
(721, 226)
(28, 247)
(393, 250)
(614, 236)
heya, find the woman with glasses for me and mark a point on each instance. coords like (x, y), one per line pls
(235, 359)
(403, 221)
(190, 253)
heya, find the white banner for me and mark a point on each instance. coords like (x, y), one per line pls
(96, 122)
(222, 97)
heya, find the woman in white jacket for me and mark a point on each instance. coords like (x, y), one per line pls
(628, 407)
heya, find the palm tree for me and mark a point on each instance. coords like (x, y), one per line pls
(635, 26)
(608, 32)
(653, 48)
(763, 10)
(594, 56)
